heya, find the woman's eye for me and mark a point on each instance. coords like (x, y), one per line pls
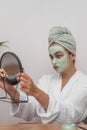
(51, 57)
(58, 56)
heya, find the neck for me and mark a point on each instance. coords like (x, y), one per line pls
(68, 73)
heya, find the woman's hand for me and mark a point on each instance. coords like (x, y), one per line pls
(26, 84)
(8, 88)
(3, 75)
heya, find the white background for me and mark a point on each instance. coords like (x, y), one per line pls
(26, 23)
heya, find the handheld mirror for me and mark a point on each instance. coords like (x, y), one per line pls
(12, 65)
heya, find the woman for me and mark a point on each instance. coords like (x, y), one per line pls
(57, 98)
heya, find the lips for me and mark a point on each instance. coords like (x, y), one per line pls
(55, 67)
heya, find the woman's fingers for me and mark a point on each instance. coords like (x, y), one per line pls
(3, 73)
(23, 77)
(26, 83)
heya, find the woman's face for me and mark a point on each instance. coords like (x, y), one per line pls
(59, 57)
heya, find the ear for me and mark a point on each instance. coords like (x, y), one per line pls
(73, 57)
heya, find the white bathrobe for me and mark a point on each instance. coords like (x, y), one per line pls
(66, 106)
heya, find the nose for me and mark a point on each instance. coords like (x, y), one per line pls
(54, 62)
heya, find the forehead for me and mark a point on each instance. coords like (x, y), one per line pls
(56, 48)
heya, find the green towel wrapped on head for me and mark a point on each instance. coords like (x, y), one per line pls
(64, 37)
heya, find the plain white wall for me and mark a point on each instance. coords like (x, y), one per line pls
(26, 23)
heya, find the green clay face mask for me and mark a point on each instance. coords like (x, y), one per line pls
(59, 58)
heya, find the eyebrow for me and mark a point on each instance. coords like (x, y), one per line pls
(58, 52)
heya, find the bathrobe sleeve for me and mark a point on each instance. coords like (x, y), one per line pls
(68, 110)
(25, 111)
(29, 110)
